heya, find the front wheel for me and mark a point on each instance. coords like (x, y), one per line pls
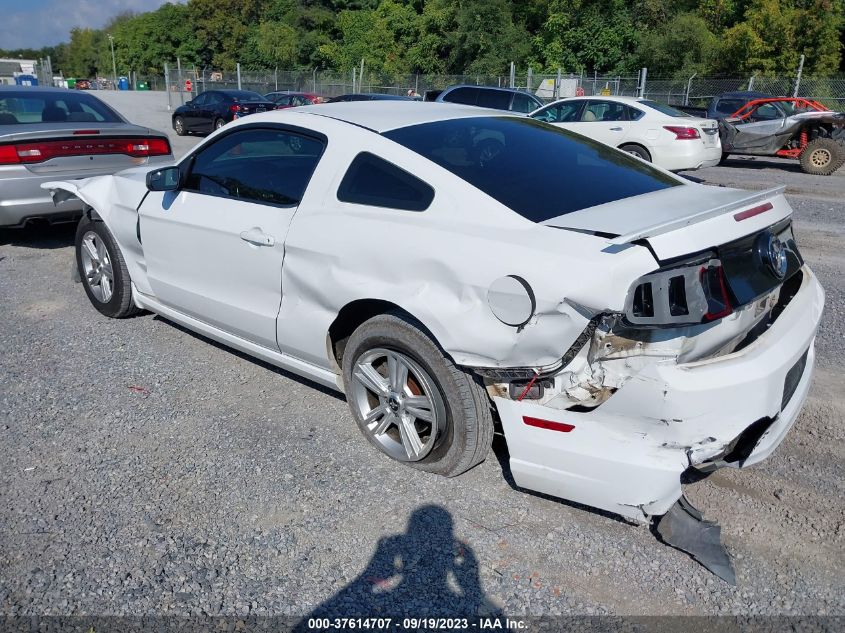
(638, 151)
(411, 402)
(103, 270)
(822, 156)
(179, 126)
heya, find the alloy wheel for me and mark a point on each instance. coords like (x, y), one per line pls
(97, 267)
(399, 404)
(821, 157)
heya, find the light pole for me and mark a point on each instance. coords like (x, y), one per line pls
(113, 63)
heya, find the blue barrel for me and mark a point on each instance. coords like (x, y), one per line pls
(123, 83)
(26, 80)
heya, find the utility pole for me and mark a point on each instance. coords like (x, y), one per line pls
(113, 62)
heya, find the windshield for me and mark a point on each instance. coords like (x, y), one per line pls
(34, 106)
(665, 109)
(538, 170)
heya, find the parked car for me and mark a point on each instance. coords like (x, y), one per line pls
(83, 84)
(652, 131)
(213, 109)
(725, 104)
(368, 96)
(788, 127)
(489, 97)
(628, 327)
(293, 99)
(49, 133)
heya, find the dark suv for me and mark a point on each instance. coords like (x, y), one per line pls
(489, 97)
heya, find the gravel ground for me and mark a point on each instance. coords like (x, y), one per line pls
(147, 470)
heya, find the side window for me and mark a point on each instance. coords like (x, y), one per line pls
(523, 103)
(201, 100)
(264, 165)
(466, 96)
(298, 100)
(766, 112)
(374, 181)
(214, 98)
(604, 111)
(550, 114)
(496, 99)
(569, 111)
(727, 107)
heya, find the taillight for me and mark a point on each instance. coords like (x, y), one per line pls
(683, 133)
(234, 108)
(715, 292)
(45, 150)
(686, 295)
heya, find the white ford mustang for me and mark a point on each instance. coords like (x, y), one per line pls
(449, 268)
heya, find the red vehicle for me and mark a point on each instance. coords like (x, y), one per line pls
(292, 99)
(789, 127)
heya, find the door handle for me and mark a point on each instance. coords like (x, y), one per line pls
(616, 129)
(258, 237)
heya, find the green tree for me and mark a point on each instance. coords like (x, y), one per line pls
(685, 46)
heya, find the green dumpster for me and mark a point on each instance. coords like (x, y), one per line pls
(71, 83)
(142, 85)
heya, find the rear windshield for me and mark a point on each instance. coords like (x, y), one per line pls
(32, 106)
(665, 109)
(245, 95)
(538, 170)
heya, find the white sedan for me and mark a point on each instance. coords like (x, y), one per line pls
(626, 328)
(653, 131)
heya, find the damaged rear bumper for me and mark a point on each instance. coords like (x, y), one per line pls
(627, 456)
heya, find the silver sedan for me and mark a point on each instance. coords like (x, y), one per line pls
(49, 133)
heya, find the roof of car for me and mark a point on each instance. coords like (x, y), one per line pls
(745, 93)
(383, 116)
(42, 89)
(498, 88)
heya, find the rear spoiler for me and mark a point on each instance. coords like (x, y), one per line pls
(674, 224)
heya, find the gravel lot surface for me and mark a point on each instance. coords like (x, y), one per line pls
(147, 470)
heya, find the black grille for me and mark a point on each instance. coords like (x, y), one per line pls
(793, 377)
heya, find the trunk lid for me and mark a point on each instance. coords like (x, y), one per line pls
(680, 220)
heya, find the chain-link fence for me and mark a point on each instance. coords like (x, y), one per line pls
(183, 82)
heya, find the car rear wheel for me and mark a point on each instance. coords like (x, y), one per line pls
(219, 123)
(103, 270)
(638, 151)
(179, 126)
(822, 156)
(411, 402)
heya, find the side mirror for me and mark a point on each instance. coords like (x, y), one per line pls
(165, 179)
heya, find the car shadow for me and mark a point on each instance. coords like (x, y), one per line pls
(500, 450)
(760, 162)
(252, 359)
(40, 235)
(425, 572)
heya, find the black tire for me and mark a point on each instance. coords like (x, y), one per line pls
(467, 434)
(822, 156)
(179, 126)
(119, 305)
(637, 150)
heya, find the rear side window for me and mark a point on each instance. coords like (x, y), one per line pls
(374, 181)
(466, 96)
(538, 170)
(729, 106)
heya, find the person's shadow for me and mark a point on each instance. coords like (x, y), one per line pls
(425, 572)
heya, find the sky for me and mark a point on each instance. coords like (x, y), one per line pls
(37, 23)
